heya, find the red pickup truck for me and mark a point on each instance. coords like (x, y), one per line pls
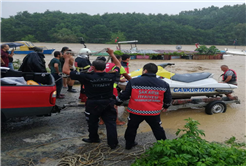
(20, 99)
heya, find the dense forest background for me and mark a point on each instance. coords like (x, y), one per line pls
(210, 26)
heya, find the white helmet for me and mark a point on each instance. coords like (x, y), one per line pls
(83, 56)
(85, 51)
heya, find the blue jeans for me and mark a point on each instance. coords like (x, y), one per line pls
(58, 80)
(11, 66)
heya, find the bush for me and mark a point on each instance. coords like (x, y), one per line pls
(203, 50)
(118, 52)
(190, 149)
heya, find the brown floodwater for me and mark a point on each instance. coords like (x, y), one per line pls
(217, 127)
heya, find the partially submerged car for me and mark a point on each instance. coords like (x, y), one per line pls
(18, 99)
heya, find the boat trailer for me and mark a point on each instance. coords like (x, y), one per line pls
(213, 105)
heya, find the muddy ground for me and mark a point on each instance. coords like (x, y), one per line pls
(44, 141)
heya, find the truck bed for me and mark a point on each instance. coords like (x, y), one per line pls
(27, 100)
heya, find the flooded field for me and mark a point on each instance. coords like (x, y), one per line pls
(45, 140)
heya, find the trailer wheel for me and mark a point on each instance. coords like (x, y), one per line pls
(215, 107)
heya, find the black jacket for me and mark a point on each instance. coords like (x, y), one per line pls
(33, 62)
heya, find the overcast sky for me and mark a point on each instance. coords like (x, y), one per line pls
(92, 7)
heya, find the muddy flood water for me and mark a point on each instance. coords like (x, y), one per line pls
(217, 127)
(46, 140)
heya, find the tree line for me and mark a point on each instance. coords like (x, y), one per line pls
(210, 26)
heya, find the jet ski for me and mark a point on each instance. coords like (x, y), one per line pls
(185, 86)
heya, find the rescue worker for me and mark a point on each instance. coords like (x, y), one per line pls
(125, 61)
(148, 97)
(82, 64)
(100, 101)
(229, 76)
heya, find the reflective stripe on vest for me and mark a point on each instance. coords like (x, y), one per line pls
(109, 67)
(146, 100)
(83, 68)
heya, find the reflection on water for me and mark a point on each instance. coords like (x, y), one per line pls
(217, 127)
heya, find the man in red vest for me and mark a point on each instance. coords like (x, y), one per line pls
(125, 61)
(229, 77)
(148, 97)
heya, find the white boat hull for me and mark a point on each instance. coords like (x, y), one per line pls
(206, 87)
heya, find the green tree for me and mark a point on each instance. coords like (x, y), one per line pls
(239, 33)
(99, 34)
(65, 36)
(118, 35)
(208, 26)
(30, 38)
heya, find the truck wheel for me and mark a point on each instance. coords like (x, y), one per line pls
(3, 118)
(215, 107)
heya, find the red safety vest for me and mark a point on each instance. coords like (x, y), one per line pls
(234, 77)
(146, 101)
(109, 67)
(127, 69)
(125, 65)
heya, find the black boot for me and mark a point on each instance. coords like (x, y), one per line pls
(70, 89)
(88, 140)
(128, 147)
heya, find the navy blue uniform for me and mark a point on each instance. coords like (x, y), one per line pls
(100, 102)
(148, 95)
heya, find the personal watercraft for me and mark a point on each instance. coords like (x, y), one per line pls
(188, 85)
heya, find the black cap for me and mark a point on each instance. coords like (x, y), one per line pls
(102, 58)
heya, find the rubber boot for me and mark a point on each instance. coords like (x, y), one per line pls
(82, 97)
(118, 122)
(101, 122)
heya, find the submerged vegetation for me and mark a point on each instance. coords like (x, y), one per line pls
(210, 26)
(190, 149)
(204, 50)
